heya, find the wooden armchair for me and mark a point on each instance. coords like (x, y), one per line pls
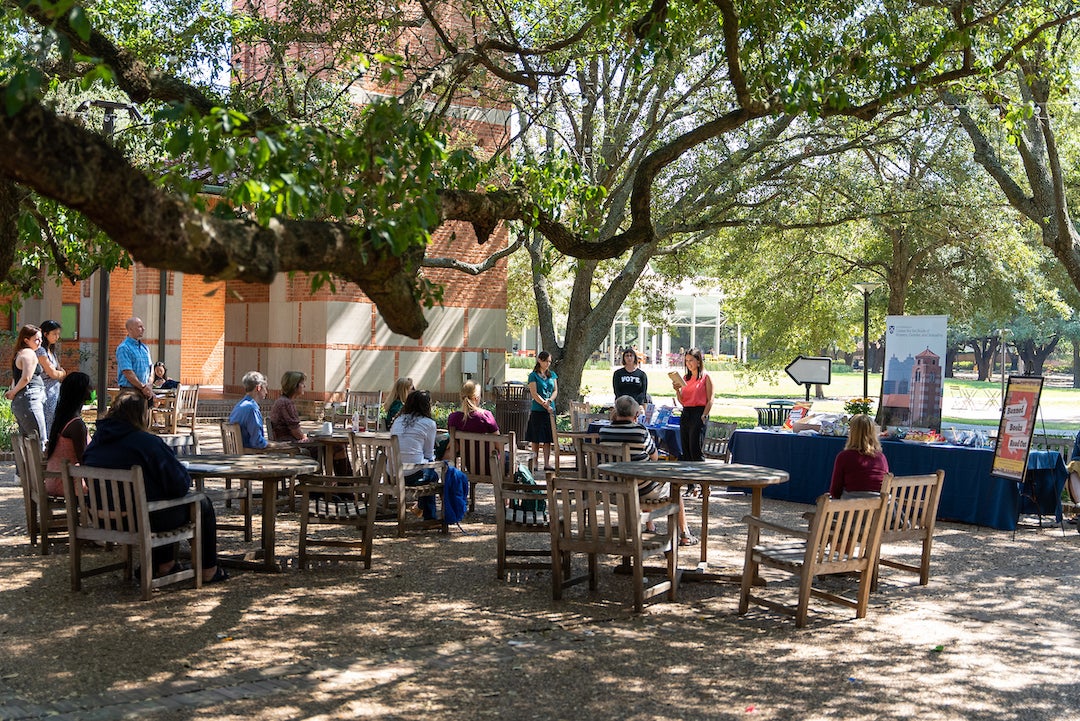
(187, 408)
(109, 505)
(517, 511)
(471, 453)
(715, 445)
(578, 410)
(340, 501)
(363, 449)
(163, 412)
(843, 536)
(45, 514)
(232, 444)
(358, 402)
(910, 516)
(591, 517)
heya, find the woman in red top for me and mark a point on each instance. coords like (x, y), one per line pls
(860, 468)
(695, 396)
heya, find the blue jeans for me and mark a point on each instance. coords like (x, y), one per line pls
(29, 411)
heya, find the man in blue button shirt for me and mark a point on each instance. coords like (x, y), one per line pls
(133, 359)
(247, 414)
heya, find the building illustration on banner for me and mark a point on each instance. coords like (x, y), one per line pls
(913, 379)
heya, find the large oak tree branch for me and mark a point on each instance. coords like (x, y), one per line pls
(61, 160)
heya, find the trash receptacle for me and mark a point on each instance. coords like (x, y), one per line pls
(512, 403)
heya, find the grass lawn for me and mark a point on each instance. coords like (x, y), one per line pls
(736, 400)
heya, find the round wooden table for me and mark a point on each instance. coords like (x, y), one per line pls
(707, 474)
(268, 468)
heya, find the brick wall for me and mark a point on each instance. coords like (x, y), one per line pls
(202, 353)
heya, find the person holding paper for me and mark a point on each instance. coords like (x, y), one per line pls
(696, 397)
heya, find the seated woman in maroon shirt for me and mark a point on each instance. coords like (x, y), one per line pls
(861, 467)
(471, 418)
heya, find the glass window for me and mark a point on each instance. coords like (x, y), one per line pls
(69, 320)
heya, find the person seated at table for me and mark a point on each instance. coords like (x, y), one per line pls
(396, 400)
(624, 428)
(161, 379)
(284, 419)
(415, 430)
(471, 418)
(69, 435)
(246, 412)
(630, 380)
(122, 441)
(860, 468)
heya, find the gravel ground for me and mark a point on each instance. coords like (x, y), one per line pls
(429, 632)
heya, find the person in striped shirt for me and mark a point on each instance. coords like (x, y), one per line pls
(624, 428)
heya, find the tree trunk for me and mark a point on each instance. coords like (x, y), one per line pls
(1076, 363)
(985, 350)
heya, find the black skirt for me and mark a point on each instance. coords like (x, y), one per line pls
(539, 428)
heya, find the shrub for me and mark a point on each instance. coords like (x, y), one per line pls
(8, 424)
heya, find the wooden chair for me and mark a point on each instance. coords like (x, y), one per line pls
(910, 516)
(715, 445)
(163, 413)
(372, 417)
(514, 515)
(232, 443)
(187, 408)
(110, 506)
(578, 409)
(363, 449)
(471, 453)
(45, 515)
(340, 501)
(357, 401)
(843, 536)
(590, 517)
(596, 453)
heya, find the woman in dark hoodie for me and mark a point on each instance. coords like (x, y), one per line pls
(122, 441)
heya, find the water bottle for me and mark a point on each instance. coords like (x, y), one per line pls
(356, 421)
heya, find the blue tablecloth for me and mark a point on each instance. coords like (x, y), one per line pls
(666, 436)
(970, 494)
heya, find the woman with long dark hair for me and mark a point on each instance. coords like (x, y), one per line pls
(544, 388)
(696, 397)
(52, 373)
(27, 392)
(69, 435)
(416, 431)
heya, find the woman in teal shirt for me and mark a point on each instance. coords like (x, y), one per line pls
(543, 387)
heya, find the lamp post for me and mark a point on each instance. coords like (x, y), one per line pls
(867, 289)
(1003, 332)
(109, 127)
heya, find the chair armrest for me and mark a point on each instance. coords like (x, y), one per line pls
(755, 522)
(152, 506)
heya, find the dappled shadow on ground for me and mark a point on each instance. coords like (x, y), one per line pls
(430, 632)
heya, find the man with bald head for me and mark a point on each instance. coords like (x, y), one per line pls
(133, 359)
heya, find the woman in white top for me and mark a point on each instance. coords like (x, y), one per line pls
(415, 431)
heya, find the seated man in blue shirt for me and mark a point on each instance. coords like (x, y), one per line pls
(247, 414)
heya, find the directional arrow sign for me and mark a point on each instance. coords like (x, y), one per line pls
(805, 370)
